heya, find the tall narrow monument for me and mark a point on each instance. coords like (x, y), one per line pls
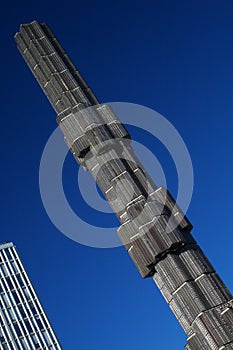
(153, 228)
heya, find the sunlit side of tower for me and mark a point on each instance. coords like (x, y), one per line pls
(23, 322)
(155, 232)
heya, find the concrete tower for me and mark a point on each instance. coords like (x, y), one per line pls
(23, 322)
(153, 228)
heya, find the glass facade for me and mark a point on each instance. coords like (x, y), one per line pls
(23, 322)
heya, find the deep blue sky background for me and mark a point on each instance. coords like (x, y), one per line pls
(173, 56)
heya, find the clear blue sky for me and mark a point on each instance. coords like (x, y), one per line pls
(173, 56)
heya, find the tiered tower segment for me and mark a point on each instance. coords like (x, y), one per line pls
(153, 228)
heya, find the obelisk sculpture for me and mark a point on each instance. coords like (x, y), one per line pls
(153, 228)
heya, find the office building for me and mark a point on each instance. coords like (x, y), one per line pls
(23, 322)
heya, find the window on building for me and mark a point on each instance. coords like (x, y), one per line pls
(21, 311)
(15, 267)
(26, 293)
(7, 253)
(5, 299)
(38, 305)
(46, 337)
(2, 338)
(4, 270)
(28, 326)
(35, 341)
(10, 285)
(5, 346)
(16, 298)
(24, 343)
(32, 307)
(12, 315)
(4, 284)
(50, 333)
(19, 278)
(1, 321)
(14, 253)
(44, 320)
(17, 329)
(39, 323)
